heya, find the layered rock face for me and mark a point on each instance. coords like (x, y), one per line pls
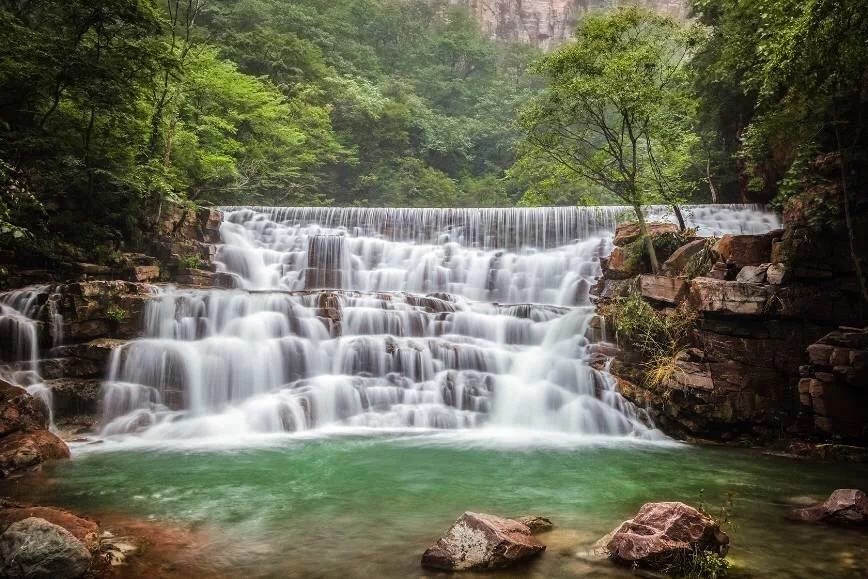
(748, 371)
(548, 23)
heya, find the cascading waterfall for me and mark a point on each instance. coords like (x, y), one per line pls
(20, 312)
(387, 318)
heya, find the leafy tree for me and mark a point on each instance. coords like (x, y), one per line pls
(617, 111)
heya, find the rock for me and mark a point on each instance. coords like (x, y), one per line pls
(729, 297)
(747, 249)
(678, 260)
(34, 548)
(82, 529)
(75, 396)
(662, 288)
(535, 524)
(627, 233)
(777, 274)
(479, 541)
(618, 267)
(753, 274)
(843, 507)
(663, 532)
(28, 449)
(19, 411)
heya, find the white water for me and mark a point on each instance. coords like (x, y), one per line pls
(20, 311)
(436, 319)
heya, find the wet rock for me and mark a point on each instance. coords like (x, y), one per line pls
(19, 411)
(617, 266)
(536, 524)
(29, 449)
(627, 233)
(678, 260)
(75, 396)
(478, 541)
(662, 533)
(84, 530)
(662, 288)
(846, 507)
(35, 548)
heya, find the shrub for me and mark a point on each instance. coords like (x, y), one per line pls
(116, 313)
(191, 262)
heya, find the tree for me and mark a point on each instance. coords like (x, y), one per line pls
(618, 112)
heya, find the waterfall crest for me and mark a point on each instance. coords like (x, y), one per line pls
(387, 318)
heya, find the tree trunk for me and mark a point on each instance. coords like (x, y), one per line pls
(649, 244)
(679, 216)
(711, 186)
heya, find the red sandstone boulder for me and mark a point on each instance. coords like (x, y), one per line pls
(747, 249)
(843, 507)
(478, 541)
(663, 288)
(618, 266)
(729, 297)
(663, 533)
(28, 449)
(627, 233)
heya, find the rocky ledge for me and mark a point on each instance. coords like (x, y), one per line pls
(778, 349)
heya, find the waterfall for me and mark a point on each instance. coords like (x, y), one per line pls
(20, 312)
(387, 318)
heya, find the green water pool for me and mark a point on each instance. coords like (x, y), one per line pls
(368, 505)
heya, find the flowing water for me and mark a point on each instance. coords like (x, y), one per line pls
(379, 371)
(387, 318)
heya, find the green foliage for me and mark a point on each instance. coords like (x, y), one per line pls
(698, 564)
(657, 336)
(617, 111)
(191, 262)
(116, 313)
(665, 244)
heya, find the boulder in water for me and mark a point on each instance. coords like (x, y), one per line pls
(662, 534)
(844, 507)
(28, 449)
(478, 541)
(82, 529)
(34, 548)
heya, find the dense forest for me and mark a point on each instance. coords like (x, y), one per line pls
(108, 108)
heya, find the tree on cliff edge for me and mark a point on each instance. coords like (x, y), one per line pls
(618, 111)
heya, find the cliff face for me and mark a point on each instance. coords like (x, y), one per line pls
(547, 23)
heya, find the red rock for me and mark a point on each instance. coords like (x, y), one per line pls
(19, 411)
(843, 507)
(28, 449)
(663, 531)
(627, 233)
(729, 297)
(480, 541)
(747, 249)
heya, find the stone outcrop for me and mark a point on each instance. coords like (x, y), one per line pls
(548, 23)
(833, 390)
(34, 548)
(85, 530)
(845, 507)
(744, 371)
(478, 541)
(662, 534)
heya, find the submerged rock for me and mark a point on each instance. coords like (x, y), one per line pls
(843, 507)
(536, 524)
(480, 541)
(663, 533)
(34, 548)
